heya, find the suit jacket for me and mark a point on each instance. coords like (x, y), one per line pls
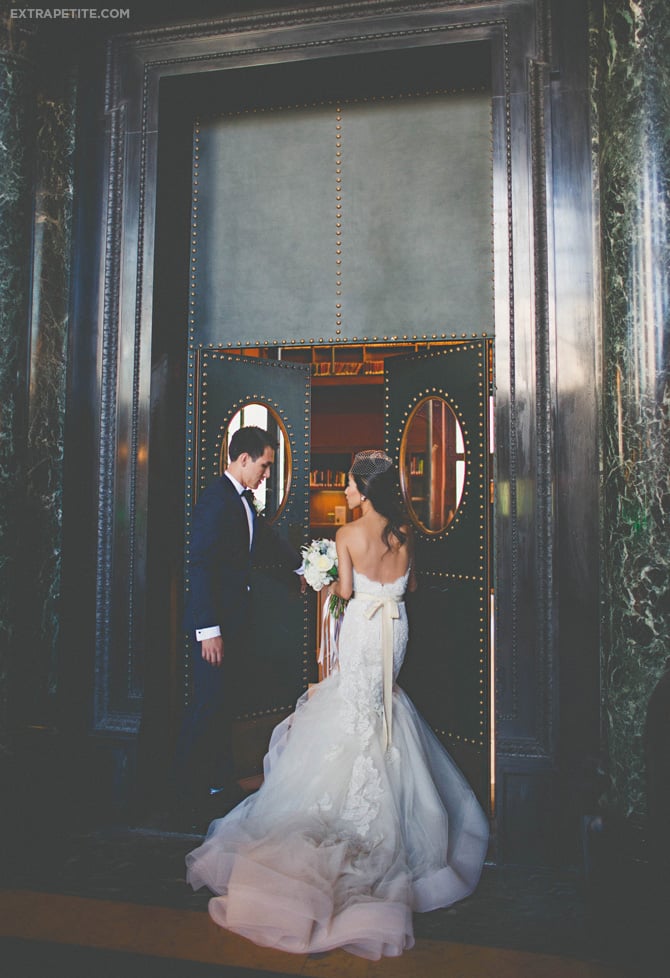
(221, 562)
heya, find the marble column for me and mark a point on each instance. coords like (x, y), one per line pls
(54, 151)
(631, 99)
(17, 102)
(37, 98)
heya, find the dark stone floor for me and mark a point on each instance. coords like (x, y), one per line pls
(515, 907)
(27, 959)
(53, 840)
(614, 917)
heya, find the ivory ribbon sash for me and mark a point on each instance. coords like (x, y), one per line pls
(390, 610)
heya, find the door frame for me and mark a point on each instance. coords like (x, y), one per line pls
(544, 210)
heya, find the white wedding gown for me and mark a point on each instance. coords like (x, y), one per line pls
(348, 834)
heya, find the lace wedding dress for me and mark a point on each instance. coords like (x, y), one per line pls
(362, 818)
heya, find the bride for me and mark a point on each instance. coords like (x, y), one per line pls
(363, 818)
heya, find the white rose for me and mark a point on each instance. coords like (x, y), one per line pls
(311, 576)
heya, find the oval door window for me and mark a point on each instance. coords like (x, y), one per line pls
(432, 464)
(272, 494)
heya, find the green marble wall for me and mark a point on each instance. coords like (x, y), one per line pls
(36, 162)
(54, 152)
(631, 91)
(16, 133)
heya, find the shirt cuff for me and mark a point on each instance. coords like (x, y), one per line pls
(202, 633)
(300, 570)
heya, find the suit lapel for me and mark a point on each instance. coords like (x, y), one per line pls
(238, 502)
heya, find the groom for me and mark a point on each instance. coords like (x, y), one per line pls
(226, 533)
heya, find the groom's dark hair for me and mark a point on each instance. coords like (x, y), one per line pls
(251, 440)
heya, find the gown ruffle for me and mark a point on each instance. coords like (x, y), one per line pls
(348, 835)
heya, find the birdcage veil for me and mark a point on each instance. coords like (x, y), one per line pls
(371, 462)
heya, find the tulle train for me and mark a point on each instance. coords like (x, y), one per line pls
(345, 840)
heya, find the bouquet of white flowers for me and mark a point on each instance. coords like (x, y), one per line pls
(320, 561)
(320, 569)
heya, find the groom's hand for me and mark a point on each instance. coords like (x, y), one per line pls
(212, 650)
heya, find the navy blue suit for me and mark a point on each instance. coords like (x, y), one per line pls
(220, 581)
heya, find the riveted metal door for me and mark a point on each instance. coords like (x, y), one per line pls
(437, 407)
(222, 385)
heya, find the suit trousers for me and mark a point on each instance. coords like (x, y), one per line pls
(204, 753)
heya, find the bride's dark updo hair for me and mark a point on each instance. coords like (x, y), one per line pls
(374, 475)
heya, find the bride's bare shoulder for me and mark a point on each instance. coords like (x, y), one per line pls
(344, 531)
(346, 535)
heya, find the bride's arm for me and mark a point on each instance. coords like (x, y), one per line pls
(344, 585)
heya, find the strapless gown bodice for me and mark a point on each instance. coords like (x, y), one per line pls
(363, 586)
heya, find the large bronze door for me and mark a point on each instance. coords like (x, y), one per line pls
(436, 430)
(228, 390)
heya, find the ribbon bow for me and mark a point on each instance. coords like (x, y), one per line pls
(390, 611)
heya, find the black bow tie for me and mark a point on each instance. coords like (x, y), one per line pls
(249, 496)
